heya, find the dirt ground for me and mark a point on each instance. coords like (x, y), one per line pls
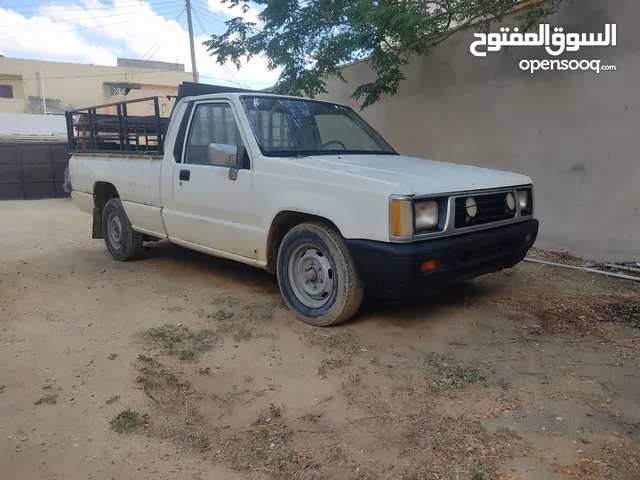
(182, 366)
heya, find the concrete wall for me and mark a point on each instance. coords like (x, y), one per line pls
(69, 85)
(577, 134)
(12, 105)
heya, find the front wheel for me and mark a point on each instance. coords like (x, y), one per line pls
(121, 240)
(317, 276)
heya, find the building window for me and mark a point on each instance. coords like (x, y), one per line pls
(6, 91)
(119, 91)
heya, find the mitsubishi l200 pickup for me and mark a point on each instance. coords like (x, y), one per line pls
(302, 188)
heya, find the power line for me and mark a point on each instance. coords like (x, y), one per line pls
(220, 12)
(37, 7)
(206, 7)
(123, 74)
(76, 29)
(158, 42)
(150, 71)
(224, 67)
(227, 70)
(211, 17)
(224, 79)
(80, 19)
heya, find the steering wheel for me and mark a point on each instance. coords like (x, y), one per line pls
(324, 145)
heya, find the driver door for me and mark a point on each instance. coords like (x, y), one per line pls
(211, 208)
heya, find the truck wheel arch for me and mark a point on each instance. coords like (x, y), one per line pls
(102, 193)
(284, 221)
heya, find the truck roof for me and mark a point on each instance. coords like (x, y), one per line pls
(191, 89)
(188, 90)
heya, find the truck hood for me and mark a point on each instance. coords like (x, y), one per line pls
(416, 175)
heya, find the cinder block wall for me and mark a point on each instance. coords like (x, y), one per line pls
(577, 134)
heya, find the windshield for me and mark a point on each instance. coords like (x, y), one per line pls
(291, 127)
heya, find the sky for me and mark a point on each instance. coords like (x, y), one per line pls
(98, 32)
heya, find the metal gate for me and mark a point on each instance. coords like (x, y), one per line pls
(32, 169)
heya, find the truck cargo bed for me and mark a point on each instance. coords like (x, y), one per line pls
(89, 131)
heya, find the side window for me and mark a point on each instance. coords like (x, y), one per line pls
(212, 123)
(341, 128)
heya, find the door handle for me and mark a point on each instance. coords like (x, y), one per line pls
(185, 175)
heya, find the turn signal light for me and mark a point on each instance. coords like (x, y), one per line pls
(429, 266)
(401, 218)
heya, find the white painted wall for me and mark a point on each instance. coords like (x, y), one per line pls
(20, 125)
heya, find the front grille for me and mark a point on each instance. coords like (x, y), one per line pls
(492, 207)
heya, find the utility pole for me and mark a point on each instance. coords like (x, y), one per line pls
(193, 51)
(40, 78)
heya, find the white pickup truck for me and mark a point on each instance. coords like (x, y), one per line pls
(304, 189)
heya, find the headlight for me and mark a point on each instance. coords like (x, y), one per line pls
(523, 199)
(510, 201)
(426, 215)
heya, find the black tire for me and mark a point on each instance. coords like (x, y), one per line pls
(126, 246)
(333, 264)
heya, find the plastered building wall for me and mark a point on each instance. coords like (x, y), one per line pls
(69, 86)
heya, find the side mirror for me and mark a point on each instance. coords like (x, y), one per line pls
(222, 155)
(229, 156)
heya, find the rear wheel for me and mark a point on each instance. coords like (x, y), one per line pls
(121, 240)
(317, 276)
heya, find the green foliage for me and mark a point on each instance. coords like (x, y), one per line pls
(308, 40)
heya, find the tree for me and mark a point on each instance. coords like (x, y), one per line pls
(310, 39)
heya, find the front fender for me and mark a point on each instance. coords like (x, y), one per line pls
(349, 217)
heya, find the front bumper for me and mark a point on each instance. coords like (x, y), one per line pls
(394, 270)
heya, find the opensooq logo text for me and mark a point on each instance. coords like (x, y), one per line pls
(555, 42)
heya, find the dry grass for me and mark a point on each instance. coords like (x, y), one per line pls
(241, 319)
(177, 419)
(457, 448)
(329, 364)
(177, 340)
(344, 341)
(220, 315)
(558, 257)
(451, 374)
(268, 446)
(409, 417)
(127, 421)
(621, 308)
(187, 438)
(613, 461)
(47, 398)
(584, 314)
(242, 334)
(161, 383)
(340, 346)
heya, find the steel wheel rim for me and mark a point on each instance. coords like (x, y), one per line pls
(114, 230)
(311, 275)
